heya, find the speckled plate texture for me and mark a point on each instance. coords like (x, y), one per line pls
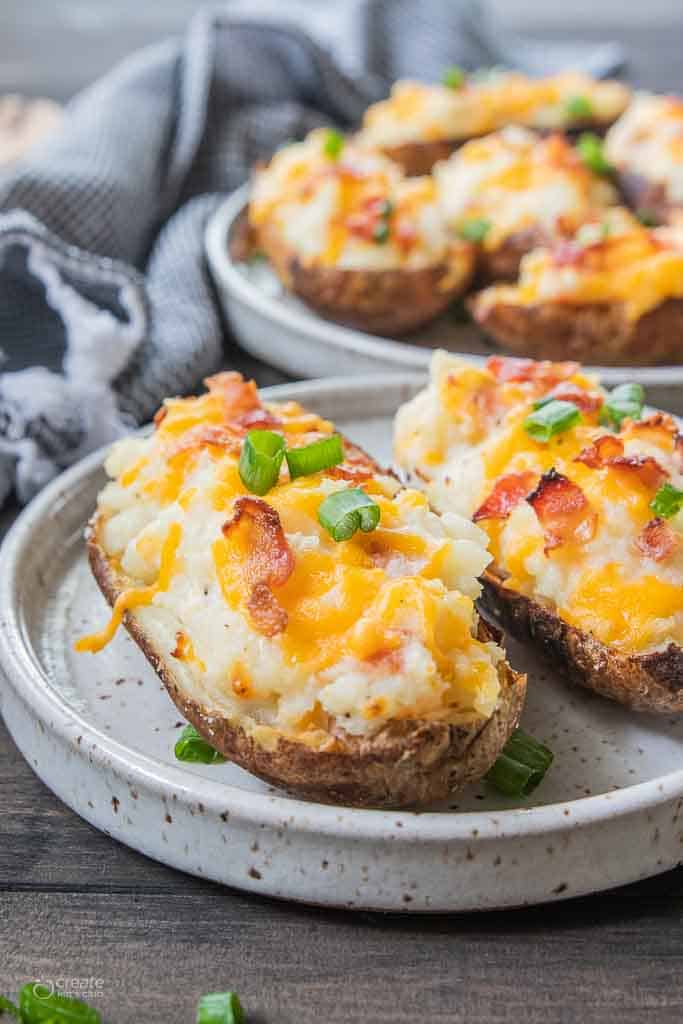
(99, 730)
(278, 328)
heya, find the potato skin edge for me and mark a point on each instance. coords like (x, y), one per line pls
(407, 764)
(651, 682)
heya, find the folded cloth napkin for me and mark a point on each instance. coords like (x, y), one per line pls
(102, 274)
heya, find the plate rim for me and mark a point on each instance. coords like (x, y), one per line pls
(23, 672)
(403, 354)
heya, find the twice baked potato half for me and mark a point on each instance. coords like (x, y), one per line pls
(645, 146)
(420, 123)
(353, 238)
(612, 295)
(581, 496)
(515, 190)
(322, 633)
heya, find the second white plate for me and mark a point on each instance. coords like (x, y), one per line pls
(278, 329)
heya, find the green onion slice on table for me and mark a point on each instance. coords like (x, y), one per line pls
(220, 1008)
(627, 400)
(345, 512)
(260, 460)
(551, 418)
(521, 766)
(39, 1004)
(194, 749)
(315, 457)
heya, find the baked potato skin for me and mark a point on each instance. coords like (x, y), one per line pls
(406, 764)
(391, 302)
(651, 682)
(588, 333)
(502, 263)
(643, 194)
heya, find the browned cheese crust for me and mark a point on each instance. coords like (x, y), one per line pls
(380, 302)
(408, 763)
(588, 333)
(649, 682)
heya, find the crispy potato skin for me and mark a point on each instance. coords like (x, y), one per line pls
(391, 302)
(641, 193)
(589, 333)
(650, 682)
(502, 263)
(406, 764)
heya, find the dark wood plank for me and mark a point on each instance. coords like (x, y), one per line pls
(156, 953)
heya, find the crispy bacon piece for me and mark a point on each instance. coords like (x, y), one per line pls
(160, 416)
(355, 474)
(510, 368)
(269, 562)
(586, 402)
(364, 223)
(608, 453)
(658, 540)
(563, 511)
(258, 419)
(206, 434)
(239, 395)
(659, 428)
(508, 492)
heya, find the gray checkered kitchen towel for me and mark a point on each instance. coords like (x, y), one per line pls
(102, 275)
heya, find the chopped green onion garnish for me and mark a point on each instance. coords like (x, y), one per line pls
(380, 232)
(333, 145)
(385, 208)
(315, 457)
(521, 766)
(220, 1008)
(39, 1004)
(667, 502)
(648, 218)
(8, 1007)
(193, 748)
(624, 401)
(454, 77)
(578, 107)
(344, 512)
(474, 230)
(592, 234)
(590, 149)
(552, 418)
(260, 460)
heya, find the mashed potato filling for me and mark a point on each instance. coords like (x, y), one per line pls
(464, 434)
(647, 140)
(375, 628)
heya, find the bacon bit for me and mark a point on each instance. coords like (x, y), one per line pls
(660, 428)
(258, 419)
(586, 402)
(567, 254)
(507, 493)
(405, 235)
(160, 415)
(356, 457)
(270, 561)
(563, 511)
(657, 540)
(601, 453)
(355, 474)
(205, 435)
(363, 224)
(608, 453)
(181, 649)
(239, 395)
(510, 368)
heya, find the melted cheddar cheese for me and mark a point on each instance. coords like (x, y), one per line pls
(517, 181)
(419, 112)
(379, 627)
(465, 433)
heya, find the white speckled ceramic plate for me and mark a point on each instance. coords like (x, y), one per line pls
(279, 329)
(99, 730)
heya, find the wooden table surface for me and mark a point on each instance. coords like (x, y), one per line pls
(75, 904)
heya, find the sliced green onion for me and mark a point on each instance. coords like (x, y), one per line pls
(193, 748)
(521, 766)
(315, 457)
(344, 512)
(380, 232)
(260, 460)
(627, 400)
(591, 151)
(220, 1008)
(552, 418)
(385, 208)
(8, 1007)
(454, 77)
(334, 144)
(39, 1004)
(648, 218)
(592, 234)
(667, 502)
(578, 107)
(475, 229)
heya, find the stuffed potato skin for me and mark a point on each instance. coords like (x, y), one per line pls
(408, 763)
